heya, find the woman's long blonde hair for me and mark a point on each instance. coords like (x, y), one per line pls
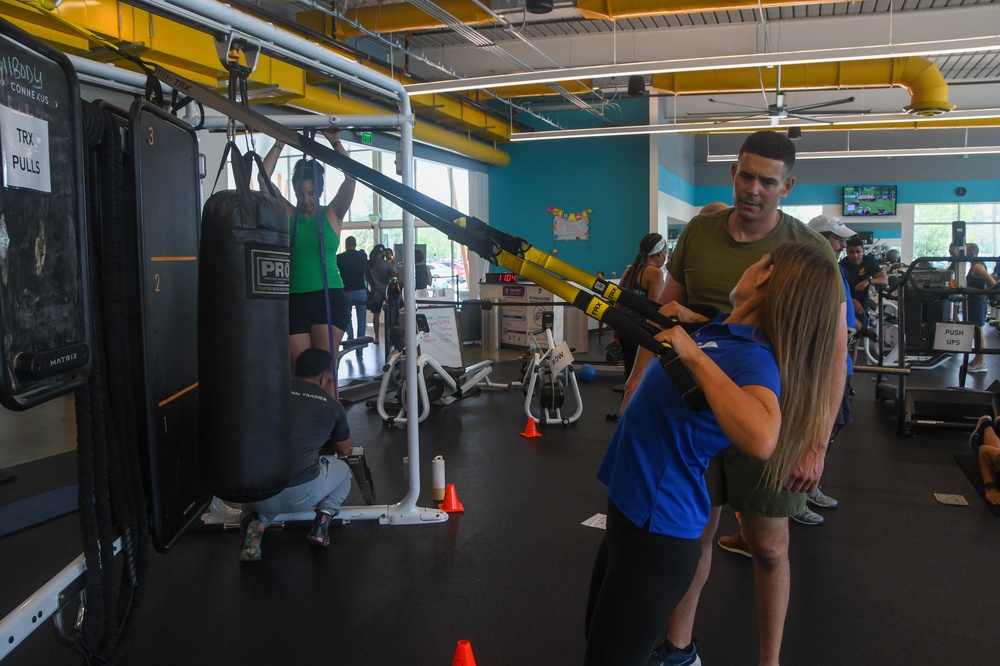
(800, 316)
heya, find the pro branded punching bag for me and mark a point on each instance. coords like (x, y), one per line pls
(244, 379)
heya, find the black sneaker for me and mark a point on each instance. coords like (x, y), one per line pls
(667, 654)
(976, 438)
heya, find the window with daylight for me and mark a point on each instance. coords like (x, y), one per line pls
(932, 228)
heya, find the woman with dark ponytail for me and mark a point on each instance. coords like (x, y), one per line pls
(644, 277)
(318, 313)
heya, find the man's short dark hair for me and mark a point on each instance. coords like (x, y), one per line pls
(855, 241)
(350, 242)
(773, 146)
(312, 363)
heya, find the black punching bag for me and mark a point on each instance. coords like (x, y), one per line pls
(244, 379)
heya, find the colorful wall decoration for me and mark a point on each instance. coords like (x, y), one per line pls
(570, 226)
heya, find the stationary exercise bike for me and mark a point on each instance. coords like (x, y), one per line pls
(549, 375)
(442, 376)
(883, 346)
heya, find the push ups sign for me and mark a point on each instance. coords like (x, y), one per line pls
(952, 337)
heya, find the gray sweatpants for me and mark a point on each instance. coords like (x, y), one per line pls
(326, 492)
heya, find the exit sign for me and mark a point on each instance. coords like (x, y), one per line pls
(366, 138)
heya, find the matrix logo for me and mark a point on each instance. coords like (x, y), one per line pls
(268, 272)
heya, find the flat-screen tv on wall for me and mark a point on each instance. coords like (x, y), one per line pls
(869, 200)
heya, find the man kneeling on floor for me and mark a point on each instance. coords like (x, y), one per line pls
(321, 481)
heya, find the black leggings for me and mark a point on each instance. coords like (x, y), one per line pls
(630, 350)
(639, 578)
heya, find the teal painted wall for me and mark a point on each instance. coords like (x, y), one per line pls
(672, 184)
(609, 176)
(885, 232)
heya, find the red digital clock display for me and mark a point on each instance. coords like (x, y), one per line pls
(501, 278)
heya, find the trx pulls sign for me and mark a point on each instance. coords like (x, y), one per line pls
(25, 143)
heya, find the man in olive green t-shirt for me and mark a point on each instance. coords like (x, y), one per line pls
(711, 254)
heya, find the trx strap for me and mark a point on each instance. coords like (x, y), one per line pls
(497, 247)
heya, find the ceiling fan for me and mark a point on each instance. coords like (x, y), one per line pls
(779, 109)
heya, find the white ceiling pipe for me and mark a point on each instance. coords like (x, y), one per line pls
(108, 76)
(313, 120)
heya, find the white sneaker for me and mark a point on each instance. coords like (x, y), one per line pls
(817, 498)
(977, 367)
(808, 517)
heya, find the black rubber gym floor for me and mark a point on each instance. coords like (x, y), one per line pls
(893, 577)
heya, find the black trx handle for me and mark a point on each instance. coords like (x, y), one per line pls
(644, 334)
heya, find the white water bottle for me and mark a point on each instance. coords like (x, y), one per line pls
(437, 478)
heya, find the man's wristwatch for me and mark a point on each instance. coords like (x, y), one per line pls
(991, 486)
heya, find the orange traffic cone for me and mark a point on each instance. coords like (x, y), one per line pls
(463, 655)
(452, 505)
(530, 430)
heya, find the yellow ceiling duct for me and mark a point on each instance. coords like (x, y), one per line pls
(404, 17)
(580, 87)
(320, 100)
(921, 78)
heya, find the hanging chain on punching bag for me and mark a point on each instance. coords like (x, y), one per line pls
(238, 91)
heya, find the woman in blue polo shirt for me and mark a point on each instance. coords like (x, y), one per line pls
(783, 324)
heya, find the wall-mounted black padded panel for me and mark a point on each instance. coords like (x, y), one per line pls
(44, 309)
(165, 163)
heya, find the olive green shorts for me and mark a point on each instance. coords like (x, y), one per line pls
(735, 478)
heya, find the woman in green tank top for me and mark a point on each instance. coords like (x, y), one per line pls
(315, 236)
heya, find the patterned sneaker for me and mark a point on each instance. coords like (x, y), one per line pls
(808, 517)
(817, 498)
(735, 544)
(253, 532)
(976, 438)
(319, 533)
(977, 367)
(666, 654)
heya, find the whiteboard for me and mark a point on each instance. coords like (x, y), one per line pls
(443, 343)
